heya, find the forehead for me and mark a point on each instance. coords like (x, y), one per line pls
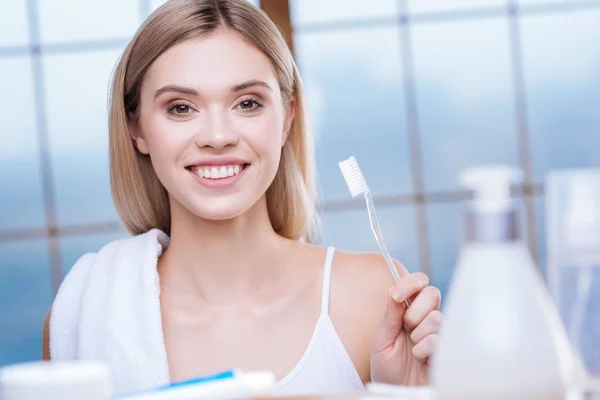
(212, 62)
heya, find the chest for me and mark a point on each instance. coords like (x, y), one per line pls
(202, 341)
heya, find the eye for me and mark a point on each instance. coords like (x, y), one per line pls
(180, 109)
(249, 105)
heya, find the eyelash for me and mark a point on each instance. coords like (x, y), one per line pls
(253, 101)
(174, 106)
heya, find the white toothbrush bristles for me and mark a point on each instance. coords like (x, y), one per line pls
(353, 176)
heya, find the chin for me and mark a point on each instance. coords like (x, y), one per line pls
(216, 207)
(221, 214)
(219, 209)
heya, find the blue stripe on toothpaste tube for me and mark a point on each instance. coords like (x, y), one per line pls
(224, 385)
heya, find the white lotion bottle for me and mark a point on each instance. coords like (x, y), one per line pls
(502, 337)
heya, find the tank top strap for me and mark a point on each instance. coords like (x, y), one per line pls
(327, 281)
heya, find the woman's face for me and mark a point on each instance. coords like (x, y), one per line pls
(213, 121)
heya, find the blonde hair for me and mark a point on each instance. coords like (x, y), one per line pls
(140, 199)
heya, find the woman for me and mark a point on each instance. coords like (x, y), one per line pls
(212, 171)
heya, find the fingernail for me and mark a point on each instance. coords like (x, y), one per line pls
(398, 295)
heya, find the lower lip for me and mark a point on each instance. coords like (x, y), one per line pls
(223, 183)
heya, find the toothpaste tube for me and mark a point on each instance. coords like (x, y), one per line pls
(225, 385)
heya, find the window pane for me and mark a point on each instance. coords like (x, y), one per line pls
(13, 23)
(445, 227)
(562, 60)
(452, 5)
(350, 230)
(73, 247)
(76, 93)
(157, 3)
(308, 11)
(353, 84)
(465, 98)
(25, 298)
(21, 203)
(445, 232)
(76, 20)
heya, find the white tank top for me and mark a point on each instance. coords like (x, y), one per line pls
(108, 309)
(325, 367)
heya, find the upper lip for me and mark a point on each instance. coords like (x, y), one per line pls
(212, 161)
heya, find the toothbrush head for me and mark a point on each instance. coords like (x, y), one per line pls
(353, 176)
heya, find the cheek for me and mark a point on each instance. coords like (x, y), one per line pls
(166, 139)
(264, 135)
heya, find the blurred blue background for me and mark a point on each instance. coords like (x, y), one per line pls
(416, 90)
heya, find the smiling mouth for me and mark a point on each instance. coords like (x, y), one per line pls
(217, 172)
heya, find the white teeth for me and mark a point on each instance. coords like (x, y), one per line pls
(217, 172)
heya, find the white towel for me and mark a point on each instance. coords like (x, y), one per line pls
(108, 309)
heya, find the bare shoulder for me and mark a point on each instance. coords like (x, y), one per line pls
(360, 288)
(362, 280)
(367, 271)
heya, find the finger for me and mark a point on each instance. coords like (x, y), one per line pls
(431, 324)
(427, 300)
(409, 286)
(425, 348)
(391, 326)
(402, 271)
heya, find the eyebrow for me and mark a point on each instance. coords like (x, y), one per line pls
(251, 83)
(176, 89)
(235, 88)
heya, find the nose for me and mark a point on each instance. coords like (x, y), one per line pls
(217, 133)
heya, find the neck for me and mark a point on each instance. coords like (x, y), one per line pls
(222, 262)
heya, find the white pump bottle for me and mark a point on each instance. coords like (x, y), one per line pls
(502, 338)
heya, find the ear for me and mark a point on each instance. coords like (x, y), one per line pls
(136, 136)
(289, 119)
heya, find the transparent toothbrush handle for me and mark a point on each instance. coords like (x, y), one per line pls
(377, 231)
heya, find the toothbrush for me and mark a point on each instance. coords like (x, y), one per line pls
(358, 185)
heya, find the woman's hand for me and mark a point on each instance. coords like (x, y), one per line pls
(407, 338)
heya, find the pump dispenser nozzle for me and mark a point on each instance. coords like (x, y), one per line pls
(492, 216)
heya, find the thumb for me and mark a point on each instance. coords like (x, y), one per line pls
(393, 321)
